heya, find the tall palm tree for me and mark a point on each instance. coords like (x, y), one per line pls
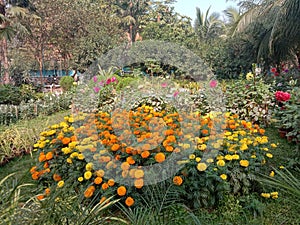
(233, 17)
(207, 26)
(274, 27)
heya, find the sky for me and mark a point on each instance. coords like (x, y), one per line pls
(188, 7)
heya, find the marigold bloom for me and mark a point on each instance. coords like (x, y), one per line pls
(244, 163)
(129, 201)
(115, 147)
(49, 155)
(98, 180)
(111, 182)
(40, 197)
(56, 177)
(125, 166)
(223, 176)
(201, 167)
(47, 191)
(42, 157)
(269, 155)
(60, 184)
(265, 195)
(177, 180)
(87, 175)
(221, 162)
(130, 160)
(160, 157)
(121, 191)
(139, 183)
(105, 186)
(89, 191)
(145, 154)
(272, 174)
(138, 173)
(66, 140)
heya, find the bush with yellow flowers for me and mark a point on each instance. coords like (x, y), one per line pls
(100, 155)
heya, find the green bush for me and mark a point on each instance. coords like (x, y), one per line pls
(10, 94)
(66, 83)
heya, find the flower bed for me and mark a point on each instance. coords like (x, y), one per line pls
(99, 156)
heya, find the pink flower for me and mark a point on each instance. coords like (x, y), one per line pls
(96, 89)
(108, 81)
(113, 79)
(213, 83)
(175, 93)
(101, 83)
(282, 96)
(164, 85)
(273, 70)
(95, 78)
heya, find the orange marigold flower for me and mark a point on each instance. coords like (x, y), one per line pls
(56, 177)
(130, 160)
(145, 154)
(121, 191)
(105, 186)
(49, 155)
(160, 157)
(125, 166)
(146, 147)
(40, 197)
(204, 131)
(169, 148)
(139, 183)
(35, 176)
(47, 191)
(115, 147)
(177, 180)
(98, 180)
(111, 182)
(129, 201)
(89, 191)
(33, 169)
(66, 140)
(42, 157)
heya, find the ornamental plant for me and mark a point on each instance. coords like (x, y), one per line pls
(90, 154)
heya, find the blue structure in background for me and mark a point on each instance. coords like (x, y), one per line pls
(53, 73)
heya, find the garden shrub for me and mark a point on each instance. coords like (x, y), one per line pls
(10, 94)
(91, 154)
(252, 99)
(66, 83)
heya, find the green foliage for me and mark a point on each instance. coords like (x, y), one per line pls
(66, 83)
(10, 95)
(251, 99)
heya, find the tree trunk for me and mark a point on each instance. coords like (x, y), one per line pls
(6, 78)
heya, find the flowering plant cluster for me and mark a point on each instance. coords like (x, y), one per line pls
(282, 96)
(104, 156)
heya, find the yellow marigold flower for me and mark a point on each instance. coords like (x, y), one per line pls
(223, 176)
(281, 167)
(273, 145)
(221, 162)
(73, 155)
(69, 160)
(198, 159)
(269, 155)
(210, 160)
(272, 174)
(88, 175)
(60, 184)
(89, 166)
(71, 120)
(228, 133)
(80, 179)
(80, 156)
(202, 147)
(138, 173)
(228, 157)
(186, 146)
(201, 166)
(244, 147)
(244, 163)
(192, 156)
(274, 193)
(265, 195)
(253, 156)
(219, 157)
(66, 150)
